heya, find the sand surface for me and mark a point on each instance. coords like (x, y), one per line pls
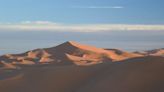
(72, 67)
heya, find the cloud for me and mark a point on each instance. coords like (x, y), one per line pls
(56, 27)
(37, 22)
(99, 7)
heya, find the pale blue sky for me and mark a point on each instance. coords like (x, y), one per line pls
(83, 11)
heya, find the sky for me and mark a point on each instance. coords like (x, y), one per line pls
(28, 23)
(88, 15)
(83, 11)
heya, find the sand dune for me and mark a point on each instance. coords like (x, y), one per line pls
(74, 67)
(66, 52)
(155, 52)
(5, 65)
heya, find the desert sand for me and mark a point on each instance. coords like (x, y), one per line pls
(74, 67)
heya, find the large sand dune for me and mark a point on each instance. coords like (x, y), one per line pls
(73, 67)
(64, 54)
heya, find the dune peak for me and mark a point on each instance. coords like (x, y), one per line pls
(83, 46)
(73, 43)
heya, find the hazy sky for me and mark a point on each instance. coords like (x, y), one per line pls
(27, 23)
(83, 11)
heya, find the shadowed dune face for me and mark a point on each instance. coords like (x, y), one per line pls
(134, 75)
(50, 79)
(144, 74)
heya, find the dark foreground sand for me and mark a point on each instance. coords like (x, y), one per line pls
(144, 74)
